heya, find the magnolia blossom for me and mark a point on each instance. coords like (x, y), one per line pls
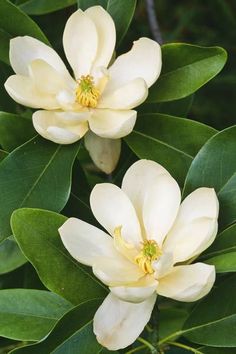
(97, 97)
(151, 240)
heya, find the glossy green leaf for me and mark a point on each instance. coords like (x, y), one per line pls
(215, 166)
(208, 350)
(37, 174)
(171, 320)
(14, 22)
(29, 314)
(3, 154)
(36, 232)
(41, 7)
(14, 130)
(122, 12)
(171, 141)
(224, 243)
(224, 263)
(11, 256)
(72, 334)
(186, 68)
(213, 321)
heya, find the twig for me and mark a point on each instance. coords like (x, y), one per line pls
(152, 19)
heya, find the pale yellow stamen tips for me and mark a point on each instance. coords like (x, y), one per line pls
(150, 252)
(86, 93)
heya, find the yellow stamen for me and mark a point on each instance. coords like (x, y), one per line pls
(150, 252)
(86, 93)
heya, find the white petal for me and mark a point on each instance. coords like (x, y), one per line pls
(117, 323)
(60, 127)
(23, 90)
(112, 208)
(163, 265)
(142, 61)
(113, 124)
(135, 293)
(23, 50)
(126, 97)
(116, 271)
(187, 283)
(47, 79)
(138, 179)
(196, 225)
(106, 34)
(105, 153)
(160, 208)
(85, 242)
(80, 43)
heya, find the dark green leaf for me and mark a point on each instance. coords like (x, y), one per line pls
(14, 22)
(37, 174)
(11, 256)
(36, 231)
(72, 334)
(224, 243)
(3, 154)
(29, 314)
(85, 4)
(171, 320)
(186, 68)
(170, 141)
(224, 263)
(215, 166)
(41, 7)
(213, 321)
(14, 130)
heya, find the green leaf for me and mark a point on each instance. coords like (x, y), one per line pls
(213, 321)
(224, 243)
(208, 350)
(29, 314)
(3, 154)
(171, 320)
(186, 68)
(171, 141)
(14, 22)
(41, 7)
(224, 263)
(36, 232)
(215, 166)
(11, 256)
(14, 130)
(122, 12)
(72, 334)
(37, 174)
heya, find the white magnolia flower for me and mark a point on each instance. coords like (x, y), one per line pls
(152, 236)
(97, 98)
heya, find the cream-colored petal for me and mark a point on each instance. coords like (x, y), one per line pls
(106, 34)
(196, 225)
(163, 265)
(160, 208)
(137, 181)
(23, 90)
(105, 153)
(134, 293)
(112, 208)
(47, 79)
(85, 242)
(113, 124)
(187, 283)
(126, 97)
(23, 50)
(80, 43)
(142, 61)
(60, 127)
(118, 324)
(116, 271)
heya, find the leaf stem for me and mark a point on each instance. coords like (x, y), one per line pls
(153, 350)
(180, 345)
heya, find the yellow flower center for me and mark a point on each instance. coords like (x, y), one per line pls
(150, 252)
(86, 93)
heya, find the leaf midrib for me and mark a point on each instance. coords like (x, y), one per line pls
(163, 143)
